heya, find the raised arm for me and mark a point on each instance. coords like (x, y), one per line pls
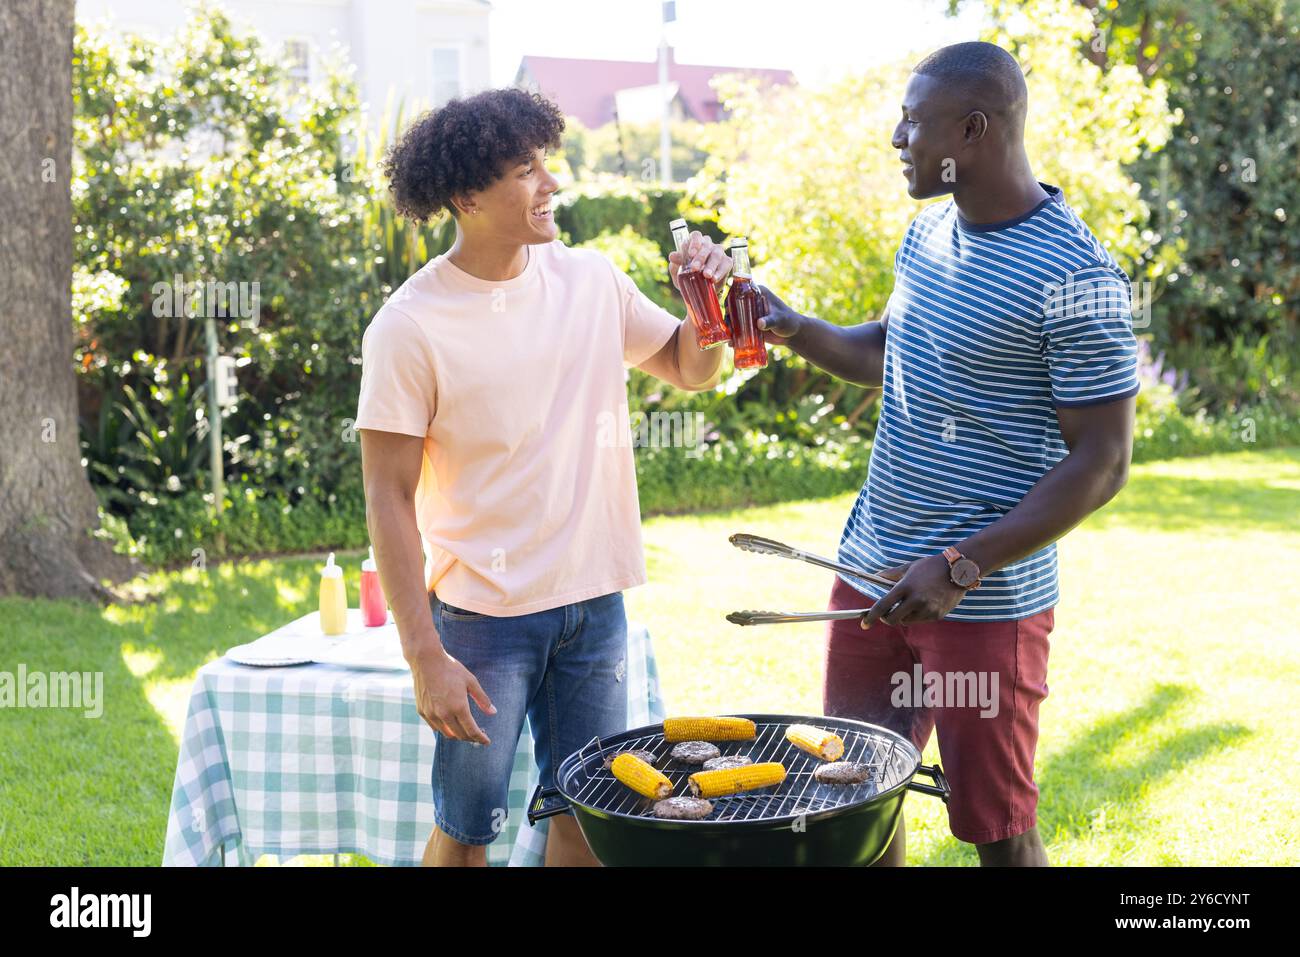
(390, 464)
(855, 354)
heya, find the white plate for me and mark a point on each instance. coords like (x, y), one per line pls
(301, 642)
(251, 654)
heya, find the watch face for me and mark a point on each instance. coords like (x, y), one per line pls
(965, 572)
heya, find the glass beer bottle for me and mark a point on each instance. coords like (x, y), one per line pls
(701, 298)
(745, 306)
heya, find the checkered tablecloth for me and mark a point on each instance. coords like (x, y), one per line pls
(320, 759)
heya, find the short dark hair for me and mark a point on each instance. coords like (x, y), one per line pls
(986, 76)
(465, 146)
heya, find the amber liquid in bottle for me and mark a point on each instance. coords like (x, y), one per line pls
(745, 306)
(701, 298)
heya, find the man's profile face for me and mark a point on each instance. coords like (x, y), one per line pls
(517, 207)
(928, 138)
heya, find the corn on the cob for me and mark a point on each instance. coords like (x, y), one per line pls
(708, 729)
(708, 784)
(820, 744)
(641, 777)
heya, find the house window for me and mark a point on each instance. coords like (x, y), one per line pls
(297, 54)
(446, 75)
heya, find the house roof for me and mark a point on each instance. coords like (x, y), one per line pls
(586, 88)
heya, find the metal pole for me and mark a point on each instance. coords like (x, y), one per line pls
(214, 428)
(665, 136)
(622, 153)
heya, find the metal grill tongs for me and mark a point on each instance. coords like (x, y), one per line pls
(767, 546)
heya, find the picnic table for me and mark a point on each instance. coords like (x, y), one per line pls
(330, 758)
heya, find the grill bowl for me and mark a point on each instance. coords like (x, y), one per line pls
(798, 822)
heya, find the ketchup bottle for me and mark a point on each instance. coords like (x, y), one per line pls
(374, 610)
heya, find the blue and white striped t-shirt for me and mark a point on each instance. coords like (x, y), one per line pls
(990, 328)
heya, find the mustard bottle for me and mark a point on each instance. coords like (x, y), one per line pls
(333, 599)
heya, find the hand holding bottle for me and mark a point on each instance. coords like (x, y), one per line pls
(699, 253)
(781, 322)
(696, 266)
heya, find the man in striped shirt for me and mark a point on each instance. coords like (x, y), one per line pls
(1008, 366)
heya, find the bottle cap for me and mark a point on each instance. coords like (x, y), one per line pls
(739, 241)
(331, 570)
(677, 224)
(369, 564)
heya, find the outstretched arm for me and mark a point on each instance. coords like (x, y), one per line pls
(855, 354)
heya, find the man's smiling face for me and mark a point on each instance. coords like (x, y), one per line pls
(928, 132)
(517, 207)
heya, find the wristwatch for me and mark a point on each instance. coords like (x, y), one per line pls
(963, 572)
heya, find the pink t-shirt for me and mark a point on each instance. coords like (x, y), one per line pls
(527, 494)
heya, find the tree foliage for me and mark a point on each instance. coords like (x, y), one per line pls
(199, 161)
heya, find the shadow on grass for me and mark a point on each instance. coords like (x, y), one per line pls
(1085, 790)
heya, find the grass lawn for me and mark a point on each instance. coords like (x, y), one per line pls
(1168, 736)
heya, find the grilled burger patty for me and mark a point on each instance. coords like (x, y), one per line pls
(694, 752)
(683, 808)
(844, 772)
(647, 756)
(728, 761)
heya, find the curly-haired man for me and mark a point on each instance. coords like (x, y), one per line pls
(488, 379)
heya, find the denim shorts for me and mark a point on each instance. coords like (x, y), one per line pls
(563, 669)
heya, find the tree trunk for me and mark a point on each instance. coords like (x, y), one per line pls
(47, 507)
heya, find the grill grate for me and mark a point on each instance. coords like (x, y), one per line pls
(591, 784)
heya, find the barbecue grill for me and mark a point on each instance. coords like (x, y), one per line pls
(800, 821)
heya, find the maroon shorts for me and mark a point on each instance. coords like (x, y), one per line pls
(979, 684)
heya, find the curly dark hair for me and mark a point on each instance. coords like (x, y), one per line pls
(465, 146)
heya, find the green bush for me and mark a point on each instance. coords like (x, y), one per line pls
(1163, 431)
(604, 204)
(1175, 417)
(1224, 188)
(585, 213)
(255, 522)
(750, 471)
(1244, 372)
